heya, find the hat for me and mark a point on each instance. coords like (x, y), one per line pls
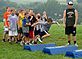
(70, 3)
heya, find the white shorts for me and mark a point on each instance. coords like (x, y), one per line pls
(13, 33)
(6, 29)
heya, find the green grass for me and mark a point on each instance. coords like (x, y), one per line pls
(15, 51)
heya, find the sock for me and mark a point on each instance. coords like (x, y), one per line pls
(31, 41)
(4, 40)
(69, 42)
(19, 40)
(74, 42)
(28, 43)
(8, 40)
(35, 42)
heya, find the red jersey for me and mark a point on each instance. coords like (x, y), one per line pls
(6, 15)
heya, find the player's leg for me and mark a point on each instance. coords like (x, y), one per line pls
(22, 41)
(4, 35)
(27, 39)
(31, 36)
(74, 36)
(69, 39)
(7, 36)
(16, 36)
(46, 34)
(68, 33)
(19, 34)
(10, 36)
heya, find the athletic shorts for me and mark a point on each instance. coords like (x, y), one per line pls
(6, 30)
(31, 34)
(13, 33)
(26, 34)
(70, 30)
(37, 32)
(42, 34)
(20, 31)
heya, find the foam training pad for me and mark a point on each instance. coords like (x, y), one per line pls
(39, 47)
(74, 54)
(59, 49)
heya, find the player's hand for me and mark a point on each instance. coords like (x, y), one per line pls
(29, 24)
(64, 25)
(32, 25)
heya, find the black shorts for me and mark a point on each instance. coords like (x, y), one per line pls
(20, 31)
(26, 34)
(37, 32)
(70, 30)
(42, 34)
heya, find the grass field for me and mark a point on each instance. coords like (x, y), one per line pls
(15, 51)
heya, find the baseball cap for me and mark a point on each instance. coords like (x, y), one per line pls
(70, 3)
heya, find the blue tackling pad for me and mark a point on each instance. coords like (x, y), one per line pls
(38, 47)
(59, 49)
(74, 54)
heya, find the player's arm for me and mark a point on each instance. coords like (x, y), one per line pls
(64, 18)
(9, 22)
(55, 22)
(76, 18)
(31, 18)
(35, 24)
(4, 18)
(41, 23)
(18, 23)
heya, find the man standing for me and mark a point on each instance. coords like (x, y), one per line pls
(6, 23)
(13, 20)
(32, 20)
(70, 21)
(20, 32)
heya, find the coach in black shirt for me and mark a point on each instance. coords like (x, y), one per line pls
(70, 18)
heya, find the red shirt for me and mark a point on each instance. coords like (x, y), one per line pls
(6, 15)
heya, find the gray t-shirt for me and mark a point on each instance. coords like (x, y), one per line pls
(13, 22)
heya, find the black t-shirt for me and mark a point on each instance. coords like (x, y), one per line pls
(33, 20)
(70, 17)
